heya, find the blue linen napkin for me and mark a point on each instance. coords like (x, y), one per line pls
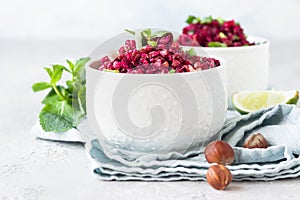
(280, 125)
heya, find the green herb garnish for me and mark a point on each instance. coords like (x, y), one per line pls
(130, 31)
(148, 37)
(220, 20)
(110, 70)
(207, 20)
(152, 43)
(172, 71)
(64, 106)
(191, 52)
(193, 20)
(216, 44)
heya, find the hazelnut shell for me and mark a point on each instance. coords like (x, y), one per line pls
(256, 140)
(219, 152)
(218, 176)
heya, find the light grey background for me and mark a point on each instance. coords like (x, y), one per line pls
(96, 19)
(35, 33)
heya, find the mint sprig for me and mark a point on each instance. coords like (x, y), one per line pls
(206, 20)
(148, 37)
(192, 20)
(64, 105)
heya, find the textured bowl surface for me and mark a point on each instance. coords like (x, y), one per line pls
(247, 67)
(156, 112)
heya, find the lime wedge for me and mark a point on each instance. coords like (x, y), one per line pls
(246, 102)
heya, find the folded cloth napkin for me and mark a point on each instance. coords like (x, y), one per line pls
(280, 125)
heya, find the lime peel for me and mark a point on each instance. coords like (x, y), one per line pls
(249, 101)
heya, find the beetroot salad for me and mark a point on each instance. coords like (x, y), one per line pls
(158, 55)
(210, 32)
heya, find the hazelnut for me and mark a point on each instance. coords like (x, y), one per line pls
(219, 152)
(256, 140)
(218, 176)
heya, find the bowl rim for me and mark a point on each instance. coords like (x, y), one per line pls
(264, 42)
(222, 65)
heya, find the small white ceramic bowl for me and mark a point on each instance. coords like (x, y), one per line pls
(156, 112)
(247, 66)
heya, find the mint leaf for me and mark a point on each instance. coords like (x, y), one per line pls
(191, 19)
(159, 34)
(216, 44)
(130, 31)
(147, 32)
(144, 40)
(152, 43)
(56, 117)
(80, 64)
(79, 78)
(82, 99)
(149, 38)
(70, 85)
(64, 107)
(172, 71)
(57, 73)
(40, 86)
(52, 97)
(191, 52)
(76, 86)
(207, 20)
(146, 35)
(220, 20)
(71, 65)
(49, 71)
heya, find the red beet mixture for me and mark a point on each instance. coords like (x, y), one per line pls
(209, 32)
(164, 56)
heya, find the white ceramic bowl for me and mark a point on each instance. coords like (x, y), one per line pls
(247, 66)
(156, 112)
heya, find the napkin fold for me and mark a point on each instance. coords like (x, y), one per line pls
(280, 125)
